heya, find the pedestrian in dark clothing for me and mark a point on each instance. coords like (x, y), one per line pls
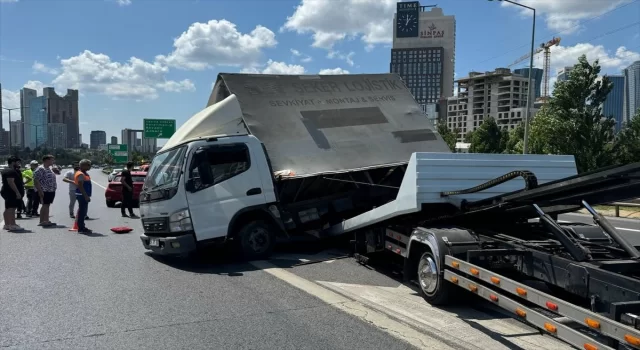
(127, 191)
(12, 192)
(33, 199)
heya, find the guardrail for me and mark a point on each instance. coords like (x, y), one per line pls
(617, 206)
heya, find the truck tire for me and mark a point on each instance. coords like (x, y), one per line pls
(256, 240)
(433, 288)
(111, 204)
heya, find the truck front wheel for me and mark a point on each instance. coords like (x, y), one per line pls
(257, 240)
(434, 289)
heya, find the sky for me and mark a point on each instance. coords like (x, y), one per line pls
(137, 59)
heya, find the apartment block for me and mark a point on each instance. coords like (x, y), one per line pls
(500, 94)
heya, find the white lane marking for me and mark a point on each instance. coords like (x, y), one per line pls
(619, 228)
(399, 312)
(99, 185)
(354, 308)
(454, 323)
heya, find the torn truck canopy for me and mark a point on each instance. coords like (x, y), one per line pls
(313, 124)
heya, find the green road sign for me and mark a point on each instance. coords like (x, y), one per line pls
(119, 153)
(158, 128)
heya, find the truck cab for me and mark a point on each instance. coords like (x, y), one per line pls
(196, 192)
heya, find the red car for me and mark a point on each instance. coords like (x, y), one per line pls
(113, 193)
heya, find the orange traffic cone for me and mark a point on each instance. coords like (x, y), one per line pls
(75, 222)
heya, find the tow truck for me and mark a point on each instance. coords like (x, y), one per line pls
(274, 156)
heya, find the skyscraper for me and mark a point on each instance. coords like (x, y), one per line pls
(57, 135)
(114, 140)
(631, 90)
(613, 106)
(26, 95)
(423, 52)
(97, 138)
(537, 76)
(64, 110)
(36, 128)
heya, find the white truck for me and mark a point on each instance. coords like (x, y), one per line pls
(276, 156)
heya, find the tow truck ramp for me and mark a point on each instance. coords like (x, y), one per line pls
(469, 277)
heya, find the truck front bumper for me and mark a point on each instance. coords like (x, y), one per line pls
(177, 245)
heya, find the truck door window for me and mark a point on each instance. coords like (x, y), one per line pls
(226, 161)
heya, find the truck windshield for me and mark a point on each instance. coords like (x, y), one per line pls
(165, 169)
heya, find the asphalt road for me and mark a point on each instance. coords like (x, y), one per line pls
(63, 290)
(60, 289)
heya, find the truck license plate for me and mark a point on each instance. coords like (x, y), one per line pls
(154, 242)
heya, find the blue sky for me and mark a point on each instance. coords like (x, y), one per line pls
(136, 59)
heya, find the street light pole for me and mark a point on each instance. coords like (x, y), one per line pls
(10, 109)
(527, 118)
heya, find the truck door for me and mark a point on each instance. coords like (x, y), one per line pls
(222, 181)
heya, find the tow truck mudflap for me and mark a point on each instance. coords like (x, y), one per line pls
(178, 245)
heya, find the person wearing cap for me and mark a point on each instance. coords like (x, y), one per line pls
(33, 201)
(12, 192)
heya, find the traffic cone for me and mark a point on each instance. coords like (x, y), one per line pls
(75, 222)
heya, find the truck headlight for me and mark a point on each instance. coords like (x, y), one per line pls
(180, 221)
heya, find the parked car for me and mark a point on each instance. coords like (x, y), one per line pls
(113, 193)
(113, 174)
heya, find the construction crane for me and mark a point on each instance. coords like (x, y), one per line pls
(546, 47)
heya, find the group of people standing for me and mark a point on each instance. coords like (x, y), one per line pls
(39, 183)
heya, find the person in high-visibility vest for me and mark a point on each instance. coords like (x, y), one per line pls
(83, 194)
(33, 201)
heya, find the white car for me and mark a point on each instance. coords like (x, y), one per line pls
(113, 174)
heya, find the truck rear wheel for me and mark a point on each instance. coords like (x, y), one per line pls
(434, 289)
(256, 240)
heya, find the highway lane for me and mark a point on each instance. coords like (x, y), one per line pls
(61, 289)
(629, 228)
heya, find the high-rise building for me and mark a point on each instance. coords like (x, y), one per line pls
(114, 140)
(129, 137)
(613, 106)
(97, 138)
(499, 94)
(536, 78)
(64, 110)
(35, 129)
(631, 90)
(149, 145)
(80, 138)
(57, 135)
(563, 73)
(423, 51)
(26, 95)
(16, 133)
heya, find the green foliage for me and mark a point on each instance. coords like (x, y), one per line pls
(627, 143)
(515, 143)
(488, 138)
(449, 136)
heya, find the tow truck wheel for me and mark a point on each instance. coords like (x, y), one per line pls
(257, 239)
(434, 289)
(111, 204)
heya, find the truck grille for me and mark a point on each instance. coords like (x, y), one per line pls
(156, 225)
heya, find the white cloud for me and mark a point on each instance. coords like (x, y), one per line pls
(35, 85)
(205, 45)
(564, 16)
(123, 2)
(302, 57)
(333, 71)
(8, 1)
(273, 67)
(330, 22)
(136, 79)
(41, 68)
(338, 55)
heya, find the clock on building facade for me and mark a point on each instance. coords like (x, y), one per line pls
(407, 14)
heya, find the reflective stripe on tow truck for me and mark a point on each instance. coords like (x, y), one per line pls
(624, 334)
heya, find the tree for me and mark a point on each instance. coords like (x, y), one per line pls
(487, 138)
(514, 142)
(572, 121)
(627, 143)
(449, 136)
